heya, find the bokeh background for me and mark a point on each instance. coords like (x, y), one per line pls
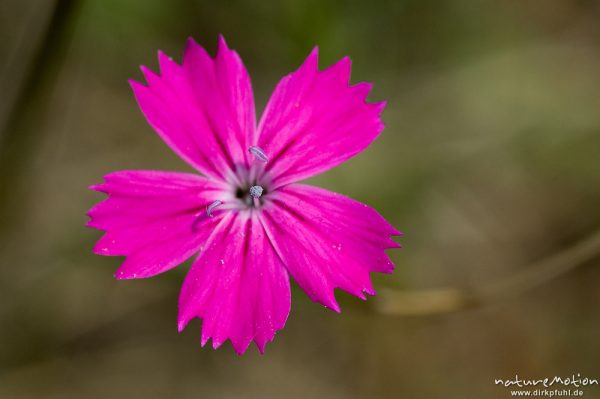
(490, 164)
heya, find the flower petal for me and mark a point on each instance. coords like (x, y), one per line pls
(328, 241)
(203, 109)
(315, 121)
(237, 286)
(156, 219)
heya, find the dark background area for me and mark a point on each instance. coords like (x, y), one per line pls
(489, 164)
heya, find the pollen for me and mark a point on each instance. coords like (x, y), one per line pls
(258, 153)
(211, 207)
(256, 191)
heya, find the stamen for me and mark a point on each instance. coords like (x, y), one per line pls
(256, 191)
(258, 153)
(211, 207)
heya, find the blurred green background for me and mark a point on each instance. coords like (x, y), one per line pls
(490, 164)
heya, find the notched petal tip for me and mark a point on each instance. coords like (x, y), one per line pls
(314, 55)
(93, 224)
(330, 303)
(162, 56)
(134, 83)
(166, 63)
(392, 244)
(221, 44)
(311, 62)
(150, 76)
(341, 70)
(240, 346)
(190, 41)
(261, 347)
(216, 344)
(380, 105)
(192, 46)
(362, 89)
(97, 187)
(203, 338)
(183, 320)
(137, 87)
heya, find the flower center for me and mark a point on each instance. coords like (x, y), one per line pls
(249, 192)
(251, 195)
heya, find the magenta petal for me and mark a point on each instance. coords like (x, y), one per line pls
(156, 219)
(203, 109)
(237, 286)
(315, 120)
(328, 241)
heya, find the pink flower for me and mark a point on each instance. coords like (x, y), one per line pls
(245, 216)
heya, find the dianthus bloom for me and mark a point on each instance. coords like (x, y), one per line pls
(245, 216)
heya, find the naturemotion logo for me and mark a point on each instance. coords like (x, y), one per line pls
(541, 385)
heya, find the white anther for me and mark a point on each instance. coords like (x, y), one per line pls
(256, 191)
(258, 153)
(211, 207)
